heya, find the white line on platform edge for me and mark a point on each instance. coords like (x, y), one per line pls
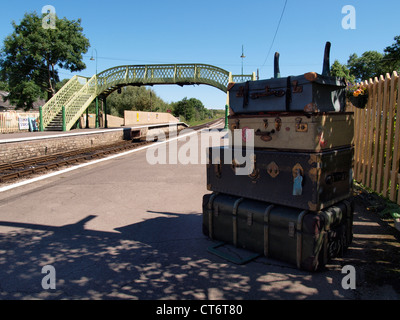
(53, 174)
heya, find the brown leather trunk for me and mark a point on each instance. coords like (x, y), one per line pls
(291, 131)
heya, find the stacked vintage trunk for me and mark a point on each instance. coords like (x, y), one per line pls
(290, 200)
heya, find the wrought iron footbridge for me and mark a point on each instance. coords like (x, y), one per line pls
(79, 92)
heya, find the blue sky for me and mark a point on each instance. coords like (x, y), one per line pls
(213, 32)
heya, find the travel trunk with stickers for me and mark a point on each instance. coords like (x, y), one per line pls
(300, 237)
(291, 131)
(305, 180)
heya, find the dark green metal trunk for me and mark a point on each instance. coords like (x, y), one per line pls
(300, 237)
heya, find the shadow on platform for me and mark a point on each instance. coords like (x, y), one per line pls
(159, 258)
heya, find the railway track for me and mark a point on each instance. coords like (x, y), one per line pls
(10, 172)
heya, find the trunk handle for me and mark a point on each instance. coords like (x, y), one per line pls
(265, 135)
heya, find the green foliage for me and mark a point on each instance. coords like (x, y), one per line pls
(369, 65)
(135, 98)
(374, 64)
(183, 108)
(392, 210)
(60, 84)
(3, 86)
(213, 114)
(340, 70)
(31, 54)
(191, 109)
(392, 57)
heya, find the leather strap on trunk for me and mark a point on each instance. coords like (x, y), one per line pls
(288, 93)
(246, 95)
(234, 217)
(210, 208)
(266, 229)
(299, 228)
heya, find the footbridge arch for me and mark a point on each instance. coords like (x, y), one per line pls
(180, 74)
(67, 105)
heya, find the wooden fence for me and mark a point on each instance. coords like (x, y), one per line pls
(13, 121)
(377, 137)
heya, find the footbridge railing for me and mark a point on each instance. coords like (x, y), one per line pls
(181, 74)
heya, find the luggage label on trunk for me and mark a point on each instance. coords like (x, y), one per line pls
(336, 177)
(247, 134)
(320, 136)
(268, 92)
(298, 172)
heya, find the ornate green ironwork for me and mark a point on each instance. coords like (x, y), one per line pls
(181, 74)
(77, 94)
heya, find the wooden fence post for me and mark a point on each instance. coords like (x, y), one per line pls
(395, 177)
(390, 138)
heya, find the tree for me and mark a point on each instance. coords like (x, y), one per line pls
(190, 109)
(199, 109)
(135, 98)
(392, 55)
(369, 65)
(60, 84)
(184, 108)
(31, 54)
(3, 86)
(341, 70)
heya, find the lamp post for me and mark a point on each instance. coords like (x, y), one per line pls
(97, 99)
(93, 59)
(242, 56)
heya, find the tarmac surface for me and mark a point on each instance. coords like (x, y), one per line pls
(126, 229)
